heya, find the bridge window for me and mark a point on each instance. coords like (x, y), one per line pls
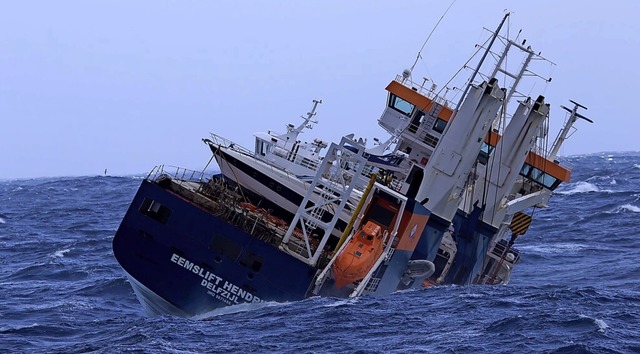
(440, 125)
(485, 152)
(540, 177)
(400, 105)
(549, 181)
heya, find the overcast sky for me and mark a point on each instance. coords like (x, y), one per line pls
(126, 85)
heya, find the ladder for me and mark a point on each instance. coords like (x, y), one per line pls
(328, 193)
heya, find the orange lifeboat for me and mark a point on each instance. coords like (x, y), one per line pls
(359, 255)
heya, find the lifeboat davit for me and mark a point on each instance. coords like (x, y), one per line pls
(359, 255)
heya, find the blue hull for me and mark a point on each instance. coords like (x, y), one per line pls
(184, 260)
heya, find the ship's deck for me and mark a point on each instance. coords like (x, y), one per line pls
(228, 203)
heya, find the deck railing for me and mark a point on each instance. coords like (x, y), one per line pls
(222, 141)
(179, 173)
(427, 92)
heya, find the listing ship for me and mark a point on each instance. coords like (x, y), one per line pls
(441, 201)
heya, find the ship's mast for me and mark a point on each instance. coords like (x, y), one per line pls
(484, 56)
(563, 135)
(291, 136)
(310, 115)
(523, 68)
(447, 171)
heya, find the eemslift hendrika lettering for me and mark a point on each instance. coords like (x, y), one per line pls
(219, 288)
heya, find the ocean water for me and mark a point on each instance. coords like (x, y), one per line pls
(576, 289)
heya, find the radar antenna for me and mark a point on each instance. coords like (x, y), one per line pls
(564, 133)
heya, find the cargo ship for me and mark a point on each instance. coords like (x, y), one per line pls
(441, 201)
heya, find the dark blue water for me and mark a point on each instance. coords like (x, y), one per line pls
(577, 288)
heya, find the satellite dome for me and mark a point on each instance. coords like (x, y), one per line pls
(406, 73)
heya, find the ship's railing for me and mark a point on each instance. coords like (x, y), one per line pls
(179, 173)
(218, 140)
(275, 167)
(279, 154)
(228, 202)
(429, 93)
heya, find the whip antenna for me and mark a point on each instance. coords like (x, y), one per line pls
(429, 36)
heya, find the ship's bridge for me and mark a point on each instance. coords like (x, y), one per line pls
(418, 116)
(536, 168)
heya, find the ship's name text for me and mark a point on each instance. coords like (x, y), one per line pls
(219, 288)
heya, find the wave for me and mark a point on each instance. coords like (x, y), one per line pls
(61, 253)
(576, 282)
(600, 180)
(581, 187)
(247, 307)
(554, 248)
(342, 302)
(629, 207)
(17, 328)
(602, 325)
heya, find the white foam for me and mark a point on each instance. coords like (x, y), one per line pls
(636, 165)
(554, 248)
(349, 301)
(631, 208)
(471, 295)
(61, 253)
(246, 307)
(581, 187)
(602, 325)
(2, 221)
(15, 328)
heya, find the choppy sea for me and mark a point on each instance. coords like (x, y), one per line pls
(576, 289)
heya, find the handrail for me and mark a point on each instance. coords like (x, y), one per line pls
(430, 94)
(175, 172)
(219, 140)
